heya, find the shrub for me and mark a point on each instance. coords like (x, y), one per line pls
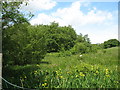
(23, 45)
(79, 48)
(111, 43)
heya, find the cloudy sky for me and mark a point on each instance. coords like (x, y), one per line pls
(97, 19)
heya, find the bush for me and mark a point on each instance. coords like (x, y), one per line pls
(79, 48)
(59, 38)
(23, 45)
(111, 43)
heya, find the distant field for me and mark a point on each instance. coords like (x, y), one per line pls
(104, 59)
(88, 71)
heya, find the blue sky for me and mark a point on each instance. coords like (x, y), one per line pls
(97, 19)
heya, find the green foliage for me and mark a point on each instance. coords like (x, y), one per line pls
(23, 44)
(82, 45)
(80, 48)
(58, 38)
(95, 70)
(95, 47)
(81, 38)
(11, 14)
(111, 43)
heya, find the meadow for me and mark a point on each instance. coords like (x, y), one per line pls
(63, 70)
(53, 56)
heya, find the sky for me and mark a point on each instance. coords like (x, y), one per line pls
(97, 19)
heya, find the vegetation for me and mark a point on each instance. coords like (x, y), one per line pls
(53, 56)
(111, 43)
(93, 70)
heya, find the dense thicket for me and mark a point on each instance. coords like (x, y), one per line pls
(20, 44)
(111, 43)
(58, 38)
(25, 44)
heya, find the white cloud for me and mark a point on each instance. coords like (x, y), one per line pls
(80, 21)
(38, 5)
(74, 16)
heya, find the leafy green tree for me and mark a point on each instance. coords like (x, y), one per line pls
(58, 38)
(11, 14)
(111, 43)
(22, 44)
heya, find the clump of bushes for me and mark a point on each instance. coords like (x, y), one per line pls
(79, 48)
(111, 43)
(22, 45)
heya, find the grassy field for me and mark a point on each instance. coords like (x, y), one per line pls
(91, 70)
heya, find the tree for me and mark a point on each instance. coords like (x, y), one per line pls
(22, 44)
(58, 38)
(11, 14)
(111, 43)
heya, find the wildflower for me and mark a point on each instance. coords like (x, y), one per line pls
(37, 65)
(35, 71)
(61, 76)
(106, 71)
(91, 67)
(97, 72)
(76, 75)
(107, 75)
(80, 55)
(81, 74)
(45, 84)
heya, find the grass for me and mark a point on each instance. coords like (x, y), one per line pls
(92, 70)
(104, 58)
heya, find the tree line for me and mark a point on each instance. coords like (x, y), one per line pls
(27, 44)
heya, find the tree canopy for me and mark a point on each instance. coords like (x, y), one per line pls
(111, 43)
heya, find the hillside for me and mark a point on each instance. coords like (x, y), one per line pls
(90, 70)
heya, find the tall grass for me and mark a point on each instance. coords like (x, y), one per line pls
(92, 70)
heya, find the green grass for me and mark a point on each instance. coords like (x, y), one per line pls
(92, 70)
(104, 58)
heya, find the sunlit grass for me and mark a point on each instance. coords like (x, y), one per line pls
(91, 70)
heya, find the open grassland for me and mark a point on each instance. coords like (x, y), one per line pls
(91, 70)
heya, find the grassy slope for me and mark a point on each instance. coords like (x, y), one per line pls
(104, 59)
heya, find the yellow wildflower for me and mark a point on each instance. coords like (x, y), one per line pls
(106, 71)
(61, 76)
(91, 67)
(81, 74)
(45, 84)
(76, 75)
(107, 75)
(97, 72)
